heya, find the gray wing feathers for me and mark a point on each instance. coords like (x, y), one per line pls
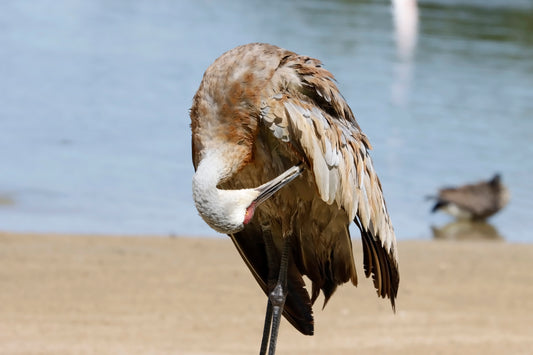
(340, 161)
(307, 111)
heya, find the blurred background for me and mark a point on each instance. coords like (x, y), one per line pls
(94, 100)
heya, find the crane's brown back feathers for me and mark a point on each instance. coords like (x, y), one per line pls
(274, 109)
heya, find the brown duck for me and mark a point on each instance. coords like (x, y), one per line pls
(473, 201)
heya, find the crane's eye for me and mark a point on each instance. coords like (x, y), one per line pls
(249, 213)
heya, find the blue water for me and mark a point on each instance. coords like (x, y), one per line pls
(94, 99)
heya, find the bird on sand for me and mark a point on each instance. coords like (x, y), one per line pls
(282, 167)
(476, 201)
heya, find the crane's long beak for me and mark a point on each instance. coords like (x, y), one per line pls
(271, 187)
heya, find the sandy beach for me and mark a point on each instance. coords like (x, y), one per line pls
(74, 294)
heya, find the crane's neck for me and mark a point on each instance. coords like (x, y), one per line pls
(223, 210)
(227, 211)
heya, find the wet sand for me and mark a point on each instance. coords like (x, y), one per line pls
(63, 294)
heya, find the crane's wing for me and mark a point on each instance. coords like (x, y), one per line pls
(304, 108)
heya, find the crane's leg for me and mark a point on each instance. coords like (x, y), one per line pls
(277, 295)
(273, 272)
(266, 329)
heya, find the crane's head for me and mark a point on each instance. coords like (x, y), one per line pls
(229, 211)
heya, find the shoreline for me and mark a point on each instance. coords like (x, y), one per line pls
(98, 294)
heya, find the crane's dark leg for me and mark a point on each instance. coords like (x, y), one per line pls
(273, 272)
(278, 293)
(266, 329)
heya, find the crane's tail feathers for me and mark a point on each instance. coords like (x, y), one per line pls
(381, 263)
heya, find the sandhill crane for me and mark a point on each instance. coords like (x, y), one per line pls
(476, 201)
(265, 117)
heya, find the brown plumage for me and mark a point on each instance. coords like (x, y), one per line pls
(261, 109)
(476, 201)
